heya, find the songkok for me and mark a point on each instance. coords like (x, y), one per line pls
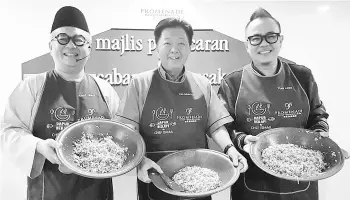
(69, 16)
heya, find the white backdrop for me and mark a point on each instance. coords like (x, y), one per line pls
(316, 34)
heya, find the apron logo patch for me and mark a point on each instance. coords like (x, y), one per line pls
(160, 124)
(61, 118)
(260, 127)
(189, 111)
(60, 126)
(188, 118)
(61, 114)
(163, 132)
(258, 108)
(90, 117)
(261, 119)
(162, 113)
(289, 113)
(164, 119)
(161, 117)
(288, 105)
(91, 111)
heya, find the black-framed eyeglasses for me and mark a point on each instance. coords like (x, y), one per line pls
(63, 39)
(270, 38)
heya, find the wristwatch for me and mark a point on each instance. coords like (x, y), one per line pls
(227, 148)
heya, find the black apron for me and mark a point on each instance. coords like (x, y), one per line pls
(174, 118)
(63, 103)
(264, 103)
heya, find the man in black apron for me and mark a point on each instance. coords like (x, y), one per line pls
(173, 108)
(265, 94)
(43, 105)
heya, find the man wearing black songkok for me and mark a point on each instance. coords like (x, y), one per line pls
(44, 104)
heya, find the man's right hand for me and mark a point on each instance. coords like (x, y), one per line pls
(145, 165)
(47, 149)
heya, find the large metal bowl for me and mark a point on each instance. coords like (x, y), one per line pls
(122, 134)
(210, 159)
(304, 138)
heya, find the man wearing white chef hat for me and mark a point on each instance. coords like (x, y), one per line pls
(44, 104)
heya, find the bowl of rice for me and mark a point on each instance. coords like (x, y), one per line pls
(200, 172)
(297, 154)
(100, 148)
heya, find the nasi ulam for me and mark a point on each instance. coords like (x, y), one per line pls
(98, 153)
(293, 160)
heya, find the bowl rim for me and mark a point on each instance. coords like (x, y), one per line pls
(233, 179)
(76, 170)
(267, 170)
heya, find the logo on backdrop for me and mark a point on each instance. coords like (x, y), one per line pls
(158, 14)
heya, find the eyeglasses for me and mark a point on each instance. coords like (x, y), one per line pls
(270, 38)
(64, 39)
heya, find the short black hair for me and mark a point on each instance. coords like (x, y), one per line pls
(262, 13)
(173, 23)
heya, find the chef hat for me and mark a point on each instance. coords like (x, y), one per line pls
(69, 16)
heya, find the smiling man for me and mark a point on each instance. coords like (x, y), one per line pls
(173, 108)
(44, 104)
(269, 93)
